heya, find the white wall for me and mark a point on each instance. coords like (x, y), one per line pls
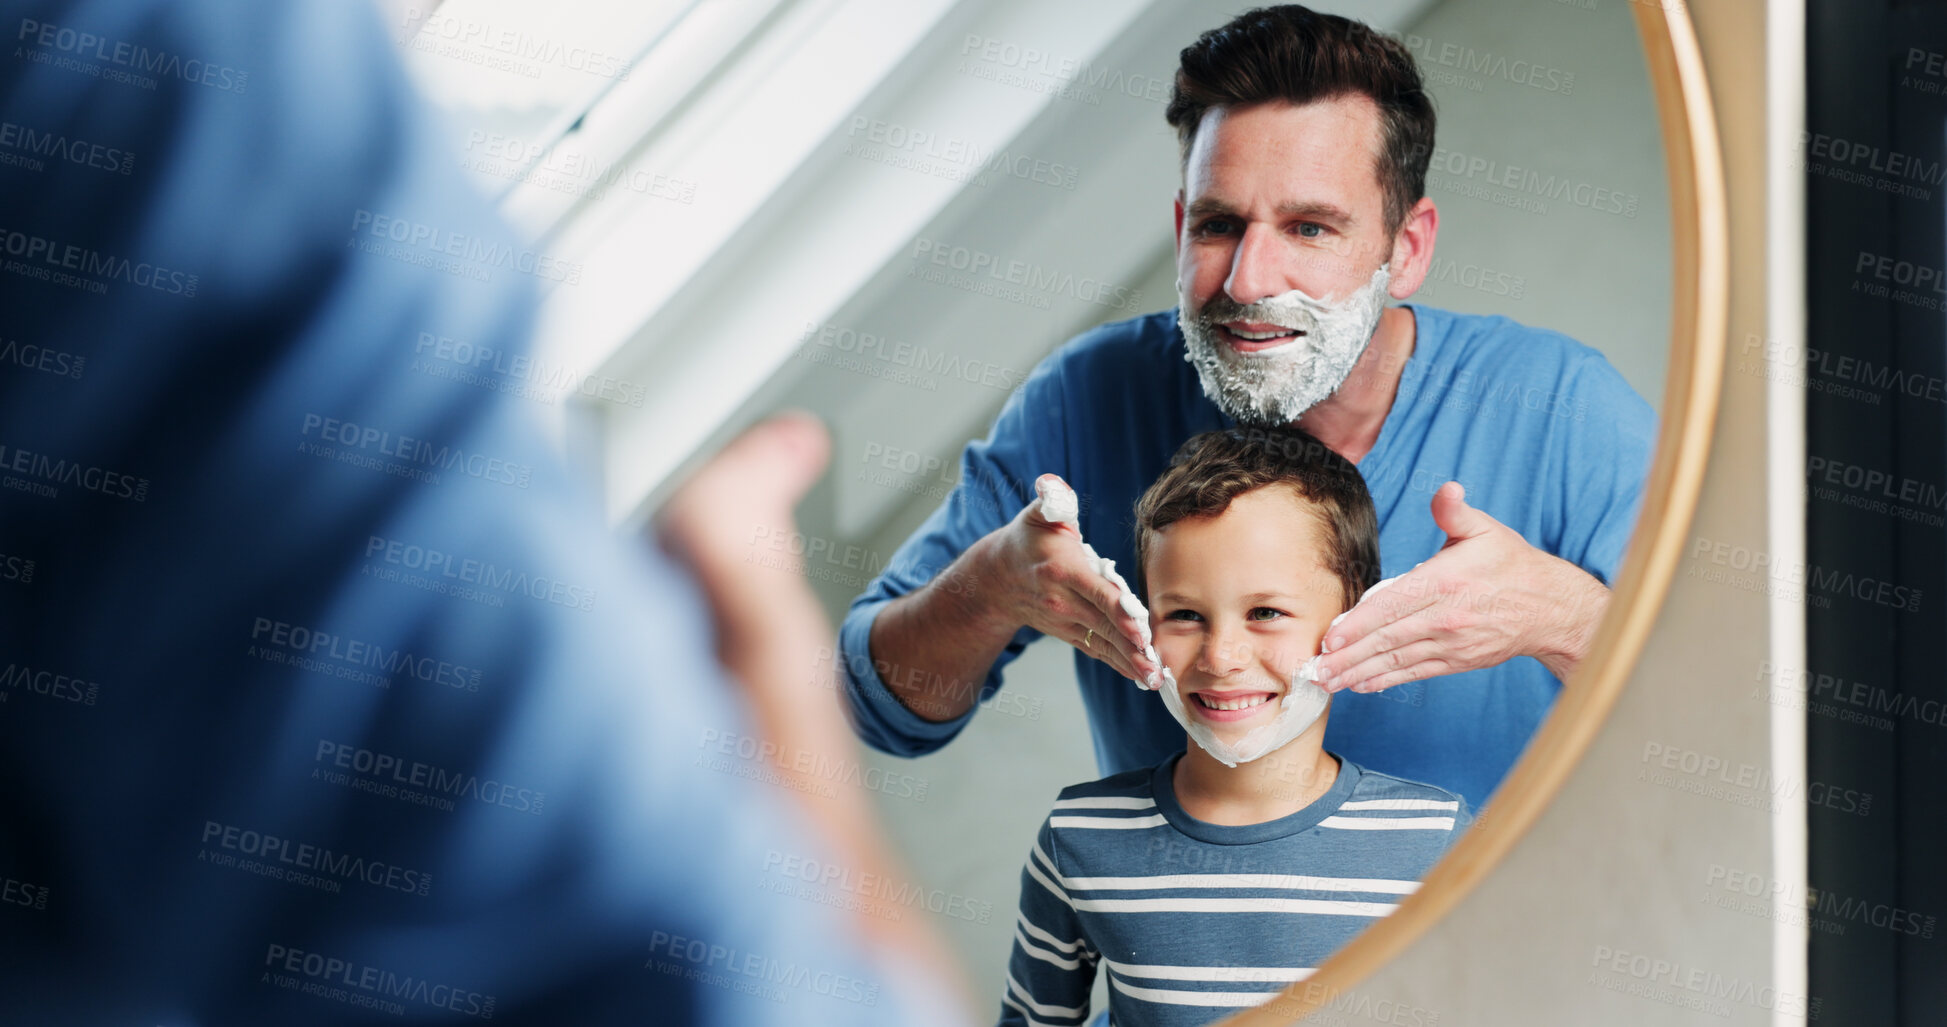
(1547, 128)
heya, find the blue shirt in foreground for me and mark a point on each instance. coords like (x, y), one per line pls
(326, 697)
(1543, 432)
(1194, 921)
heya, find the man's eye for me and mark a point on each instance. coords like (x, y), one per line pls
(1266, 613)
(1215, 226)
(1310, 229)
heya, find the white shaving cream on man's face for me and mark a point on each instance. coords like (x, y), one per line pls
(1275, 386)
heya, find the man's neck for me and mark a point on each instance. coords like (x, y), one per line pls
(1349, 420)
(1273, 786)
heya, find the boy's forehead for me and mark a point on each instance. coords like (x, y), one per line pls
(1273, 527)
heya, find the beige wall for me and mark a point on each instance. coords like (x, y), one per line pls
(1548, 175)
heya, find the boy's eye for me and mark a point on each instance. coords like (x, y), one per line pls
(1266, 613)
(1190, 615)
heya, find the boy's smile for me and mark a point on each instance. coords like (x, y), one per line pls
(1229, 706)
(1238, 602)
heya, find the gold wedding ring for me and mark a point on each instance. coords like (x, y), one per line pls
(1088, 641)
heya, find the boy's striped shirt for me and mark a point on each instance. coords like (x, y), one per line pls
(1193, 921)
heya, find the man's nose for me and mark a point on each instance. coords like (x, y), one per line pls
(1256, 271)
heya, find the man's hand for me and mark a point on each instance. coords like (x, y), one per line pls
(1050, 586)
(935, 646)
(768, 622)
(770, 629)
(1485, 598)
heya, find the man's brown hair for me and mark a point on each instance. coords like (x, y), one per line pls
(1295, 54)
(1216, 467)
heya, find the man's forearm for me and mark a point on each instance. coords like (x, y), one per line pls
(933, 647)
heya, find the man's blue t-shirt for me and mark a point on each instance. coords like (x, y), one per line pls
(1543, 432)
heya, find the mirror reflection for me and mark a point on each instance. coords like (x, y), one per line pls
(1238, 421)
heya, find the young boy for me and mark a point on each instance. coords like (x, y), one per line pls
(1203, 888)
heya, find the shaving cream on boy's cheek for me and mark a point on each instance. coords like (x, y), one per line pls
(1300, 708)
(1275, 386)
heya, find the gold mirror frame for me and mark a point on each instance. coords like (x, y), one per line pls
(1699, 311)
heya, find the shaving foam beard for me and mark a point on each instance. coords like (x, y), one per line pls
(1303, 703)
(1276, 386)
(1299, 709)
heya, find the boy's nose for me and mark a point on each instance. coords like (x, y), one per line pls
(1222, 656)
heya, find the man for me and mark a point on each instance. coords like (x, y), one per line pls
(1305, 141)
(325, 696)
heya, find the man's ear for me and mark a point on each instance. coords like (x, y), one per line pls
(1412, 258)
(1178, 238)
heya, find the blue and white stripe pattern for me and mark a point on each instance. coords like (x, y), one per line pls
(1194, 921)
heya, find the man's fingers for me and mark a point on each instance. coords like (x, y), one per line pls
(1130, 647)
(1102, 594)
(1102, 649)
(1053, 506)
(1375, 626)
(1107, 643)
(1112, 625)
(1036, 519)
(1430, 662)
(1455, 518)
(710, 521)
(1388, 648)
(754, 483)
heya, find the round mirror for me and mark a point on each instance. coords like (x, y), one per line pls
(893, 214)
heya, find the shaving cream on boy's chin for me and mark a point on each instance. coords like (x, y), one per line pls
(1300, 708)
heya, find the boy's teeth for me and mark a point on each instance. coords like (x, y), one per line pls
(1231, 704)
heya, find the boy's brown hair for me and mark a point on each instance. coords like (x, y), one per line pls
(1294, 54)
(1216, 467)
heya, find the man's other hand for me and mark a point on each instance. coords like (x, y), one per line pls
(1485, 598)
